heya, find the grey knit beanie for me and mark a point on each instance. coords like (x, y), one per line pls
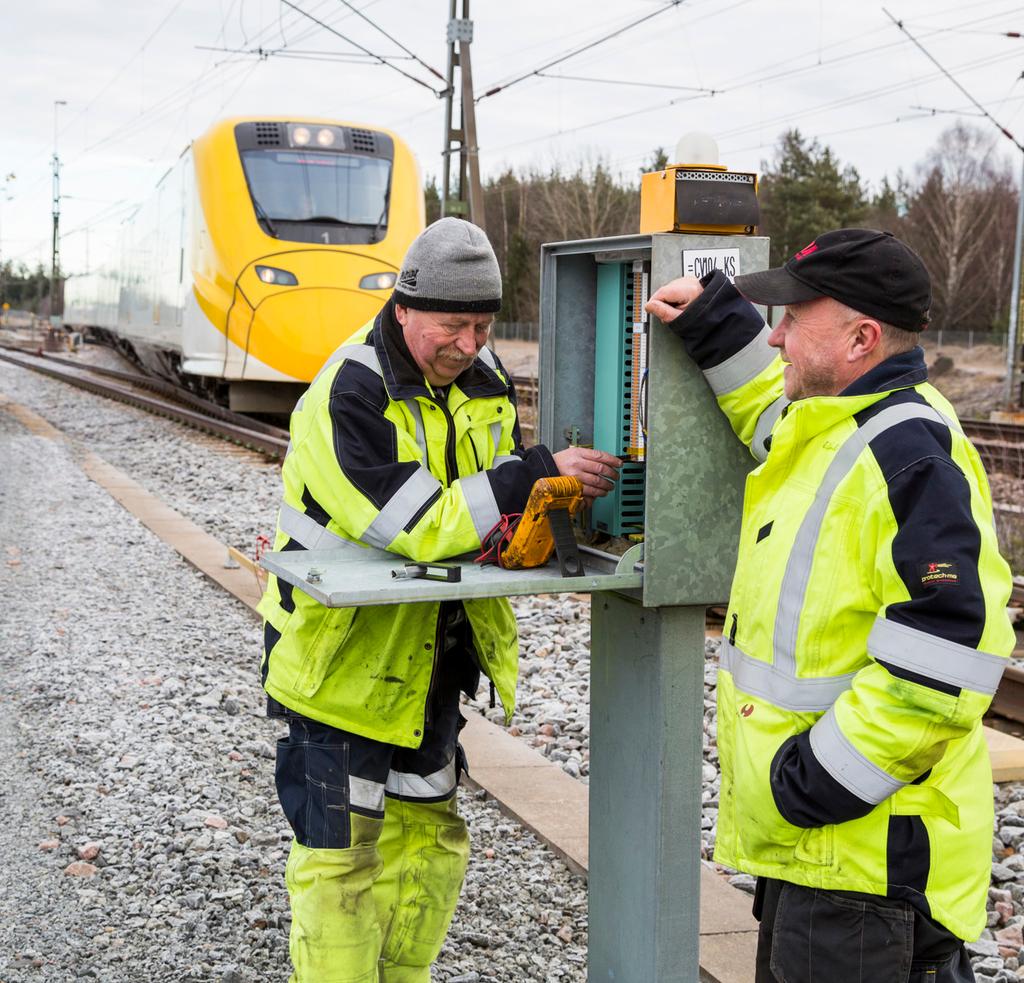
(450, 266)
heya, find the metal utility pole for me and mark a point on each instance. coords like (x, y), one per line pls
(469, 202)
(1009, 397)
(55, 249)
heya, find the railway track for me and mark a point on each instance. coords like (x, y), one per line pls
(158, 397)
(1001, 445)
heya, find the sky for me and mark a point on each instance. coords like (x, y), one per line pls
(140, 81)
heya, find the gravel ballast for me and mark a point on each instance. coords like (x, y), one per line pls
(533, 910)
(142, 838)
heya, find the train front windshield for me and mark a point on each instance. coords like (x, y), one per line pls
(330, 198)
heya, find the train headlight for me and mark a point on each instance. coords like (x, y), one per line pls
(301, 136)
(279, 278)
(325, 137)
(377, 281)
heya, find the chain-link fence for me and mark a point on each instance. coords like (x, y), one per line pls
(936, 338)
(516, 331)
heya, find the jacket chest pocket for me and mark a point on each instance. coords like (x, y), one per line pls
(481, 433)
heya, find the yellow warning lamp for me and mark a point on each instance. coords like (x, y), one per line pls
(704, 197)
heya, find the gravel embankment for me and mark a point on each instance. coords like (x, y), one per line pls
(526, 902)
(141, 835)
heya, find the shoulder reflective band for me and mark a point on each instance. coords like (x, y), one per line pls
(496, 435)
(765, 422)
(801, 695)
(420, 487)
(748, 363)
(483, 506)
(363, 354)
(801, 558)
(847, 765)
(934, 657)
(439, 785)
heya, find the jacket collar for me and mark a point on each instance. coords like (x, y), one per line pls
(897, 372)
(403, 377)
(806, 418)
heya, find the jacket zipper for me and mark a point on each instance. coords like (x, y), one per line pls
(732, 629)
(450, 468)
(428, 713)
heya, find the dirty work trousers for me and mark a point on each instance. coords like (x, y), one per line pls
(808, 935)
(380, 851)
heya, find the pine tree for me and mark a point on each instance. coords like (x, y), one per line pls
(806, 192)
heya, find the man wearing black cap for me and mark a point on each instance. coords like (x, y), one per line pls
(407, 440)
(866, 630)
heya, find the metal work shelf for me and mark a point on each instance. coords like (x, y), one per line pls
(345, 578)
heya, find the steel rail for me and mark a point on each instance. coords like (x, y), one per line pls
(267, 443)
(172, 391)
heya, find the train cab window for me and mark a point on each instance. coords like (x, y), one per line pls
(327, 198)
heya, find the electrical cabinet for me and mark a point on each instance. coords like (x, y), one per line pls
(614, 378)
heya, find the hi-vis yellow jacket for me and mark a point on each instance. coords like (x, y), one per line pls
(866, 630)
(379, 459)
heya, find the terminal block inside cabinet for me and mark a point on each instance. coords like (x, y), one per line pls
(619, 389)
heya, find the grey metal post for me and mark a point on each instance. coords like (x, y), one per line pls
(469, 143)
(55, 249)
(449, 99)
(1011, 335)
(646, 717)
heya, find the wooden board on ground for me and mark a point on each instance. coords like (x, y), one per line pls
(1006, 753)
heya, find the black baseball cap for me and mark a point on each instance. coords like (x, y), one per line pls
(870, 271)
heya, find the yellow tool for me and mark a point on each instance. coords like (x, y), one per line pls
(546, 526)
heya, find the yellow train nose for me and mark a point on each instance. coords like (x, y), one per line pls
(300, 317)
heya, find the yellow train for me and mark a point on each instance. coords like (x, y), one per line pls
(265, 246)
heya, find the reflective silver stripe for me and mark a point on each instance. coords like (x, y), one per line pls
(847, 765)
(801, 557)
(765, 422)
(417, 414)
(748, 363)
(487, 357)
(440, 784)
(363, 354)
(418, 489)
(504, 459)
(934, 657)
(801, 695)
(307, 532)
(496, 435)
(483, 506)
(365, 794)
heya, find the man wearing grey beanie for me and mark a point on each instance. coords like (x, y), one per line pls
(407, 440)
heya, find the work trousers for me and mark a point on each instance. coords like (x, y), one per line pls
(809, 935)
(380, 851)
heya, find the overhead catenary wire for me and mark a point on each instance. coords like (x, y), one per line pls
(355, 10)
(831, 104)
(628, 82)
(494, 90)
(355, 44)
(1002, 129)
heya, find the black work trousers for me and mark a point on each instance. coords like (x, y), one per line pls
(809, 935)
